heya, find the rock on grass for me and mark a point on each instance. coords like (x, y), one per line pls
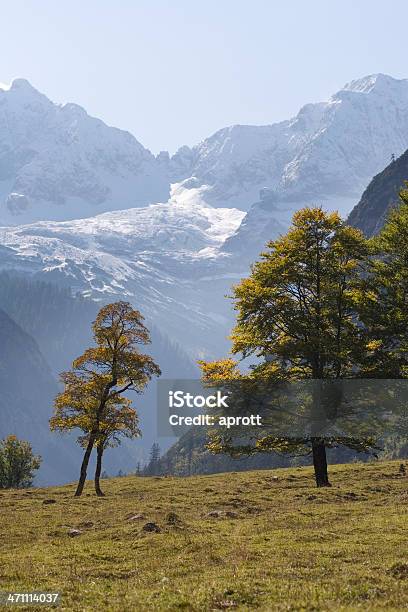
(136, 517)
(151, 528)
(73, 533)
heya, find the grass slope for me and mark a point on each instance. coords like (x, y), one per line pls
(283, 546)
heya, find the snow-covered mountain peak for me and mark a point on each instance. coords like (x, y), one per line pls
(328, 152)
(57, 162)
(20, 92)
(22, 85)
(376, 82)
(17, 84)
(167, 231)
(74, 109)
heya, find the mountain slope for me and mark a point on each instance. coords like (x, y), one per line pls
(359, 129)
(177, 260)
(60, 324)
(27, 392)
(382, 193)
(57, 162)
(164, 258)
(328, 152)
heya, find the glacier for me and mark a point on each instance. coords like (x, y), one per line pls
(165, 258)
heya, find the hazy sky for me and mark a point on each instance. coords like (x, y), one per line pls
(173, 72)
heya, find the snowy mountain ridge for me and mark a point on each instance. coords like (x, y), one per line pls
(57, 162)
(176, 260)
(329, 150)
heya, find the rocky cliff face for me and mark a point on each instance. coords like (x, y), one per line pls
(382, 193)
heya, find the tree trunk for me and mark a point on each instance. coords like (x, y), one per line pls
(84, 466)
(320, 463)
(98, 470)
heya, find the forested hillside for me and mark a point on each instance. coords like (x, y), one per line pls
(190, 456)
(27, 388)
(59, 321)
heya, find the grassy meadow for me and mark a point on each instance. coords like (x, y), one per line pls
(264, 540)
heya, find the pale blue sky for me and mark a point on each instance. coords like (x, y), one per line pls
(172, 72)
